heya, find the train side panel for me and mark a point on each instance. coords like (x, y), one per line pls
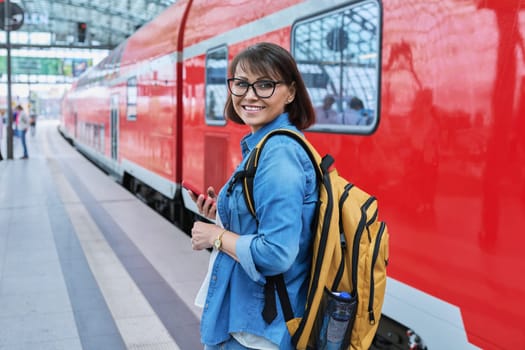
(150, 127)
(450, 176)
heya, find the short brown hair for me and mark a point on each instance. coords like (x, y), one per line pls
(273, 60)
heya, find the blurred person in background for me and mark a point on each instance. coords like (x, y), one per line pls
(325, 114)
(23, 124)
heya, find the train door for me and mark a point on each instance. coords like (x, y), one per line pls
(215, 143)
(114, 126)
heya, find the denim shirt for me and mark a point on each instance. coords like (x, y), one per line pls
(285, 196)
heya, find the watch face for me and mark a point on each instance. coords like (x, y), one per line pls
(217, 244)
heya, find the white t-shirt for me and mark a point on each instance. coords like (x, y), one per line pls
(246, 339)
(22, 120)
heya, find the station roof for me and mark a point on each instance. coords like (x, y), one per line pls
(107, 23)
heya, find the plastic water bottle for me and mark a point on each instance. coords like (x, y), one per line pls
(341, 313)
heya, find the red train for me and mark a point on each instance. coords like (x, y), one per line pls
(438, 137)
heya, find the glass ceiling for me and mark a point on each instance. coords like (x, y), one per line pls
(107, 23)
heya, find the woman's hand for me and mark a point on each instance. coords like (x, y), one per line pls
(203, 235)
(206, 204)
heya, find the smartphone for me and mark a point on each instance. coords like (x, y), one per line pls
(192, 188)
(195, 190)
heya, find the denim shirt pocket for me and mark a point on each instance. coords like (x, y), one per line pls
(240, 216)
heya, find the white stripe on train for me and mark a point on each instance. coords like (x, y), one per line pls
(436, 321)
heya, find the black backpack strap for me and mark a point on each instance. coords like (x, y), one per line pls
(248, 175)
(286, 305)
(270, 307)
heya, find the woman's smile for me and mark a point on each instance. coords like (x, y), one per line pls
(252, 108)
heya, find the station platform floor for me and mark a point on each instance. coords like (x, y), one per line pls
(86, 265)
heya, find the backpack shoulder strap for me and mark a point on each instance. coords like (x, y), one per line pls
(321, 165)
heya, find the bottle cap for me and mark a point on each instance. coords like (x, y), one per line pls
(345, 295)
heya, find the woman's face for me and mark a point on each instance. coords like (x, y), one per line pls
(255, 111)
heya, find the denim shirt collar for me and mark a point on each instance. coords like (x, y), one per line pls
(249, 141)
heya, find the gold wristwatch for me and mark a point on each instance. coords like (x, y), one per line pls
(218, 241)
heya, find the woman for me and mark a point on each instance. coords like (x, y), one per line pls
(267, 92)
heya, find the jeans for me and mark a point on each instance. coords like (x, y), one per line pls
(230, 344)
(23, 139)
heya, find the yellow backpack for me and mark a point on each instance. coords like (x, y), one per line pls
(350, 254)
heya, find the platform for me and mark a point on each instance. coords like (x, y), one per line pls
(86, 265)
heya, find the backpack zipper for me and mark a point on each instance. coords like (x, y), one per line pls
(357, 238)
(344, 244)
(377, 245)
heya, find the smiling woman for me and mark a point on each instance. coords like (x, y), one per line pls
(282, 79)
(267, 93)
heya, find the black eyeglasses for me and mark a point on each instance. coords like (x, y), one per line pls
(261, 88)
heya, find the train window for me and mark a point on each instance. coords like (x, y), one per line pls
(216, 93)
(131, 93)
(337, 53)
